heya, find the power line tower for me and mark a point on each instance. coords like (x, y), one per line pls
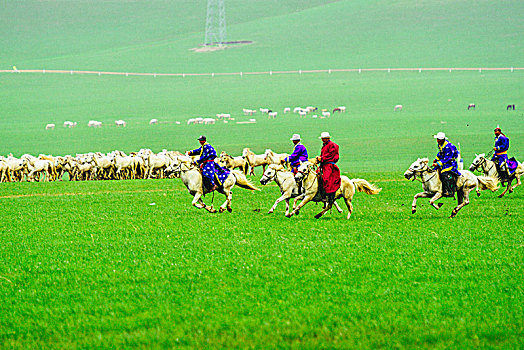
(215, 23)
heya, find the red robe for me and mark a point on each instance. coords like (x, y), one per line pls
(330, 172)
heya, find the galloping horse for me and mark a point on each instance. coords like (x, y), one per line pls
(471, 106)
(432, 185)
(191, 176)
(306, 173)
(489, 168)
(287, 184)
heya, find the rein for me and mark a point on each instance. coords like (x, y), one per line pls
(421, 172)
(306, 173)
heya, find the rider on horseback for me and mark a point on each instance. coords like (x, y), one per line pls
(501, 154)
(446, 163)
(330, 173)
(210, 170)
(299, 154)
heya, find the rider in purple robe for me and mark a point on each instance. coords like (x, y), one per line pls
(299, 154)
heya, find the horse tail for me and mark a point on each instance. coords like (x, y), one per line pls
(243, 181)
(364, 186)
(488, 183)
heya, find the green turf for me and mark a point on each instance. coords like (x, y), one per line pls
(105, 268)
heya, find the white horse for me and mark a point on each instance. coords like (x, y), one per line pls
(255, 160)
(287, 184)
(432, 185)
(489, 168)
(191, 176)
(306, 173)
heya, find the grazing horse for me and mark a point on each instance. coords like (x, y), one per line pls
(471, 106)
(432, 185)
(254, 160)
(510, 108)
(184, 168)
(225, 160)
(397, 107)
(307, 174)
(489, 168)
(287, 184)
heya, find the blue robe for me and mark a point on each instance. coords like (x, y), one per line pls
(299, 155)
(446, 158)
(210, 170)
(501, 150)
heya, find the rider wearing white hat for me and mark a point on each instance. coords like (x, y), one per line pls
(328, 169)
(446, 163)
(299, 153)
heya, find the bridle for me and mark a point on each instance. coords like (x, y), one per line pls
(482, 162)
(305, 173)
(273, 178)
(426, 169)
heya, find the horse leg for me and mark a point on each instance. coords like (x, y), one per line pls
(280, 199)
(339, 209)
(463, 200)
(300, 205)
(414, 204)
(506, 189)
(326, 208)
(227, 203)
(198, 203)
(517, 184)
(436, 197)
(349, 205)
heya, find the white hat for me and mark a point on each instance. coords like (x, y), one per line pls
(440, 136)
(325, 135)
(295, 137)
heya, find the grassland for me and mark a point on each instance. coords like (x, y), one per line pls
(127, 264)
(105, 268)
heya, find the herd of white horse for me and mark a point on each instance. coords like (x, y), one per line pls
(303, 185)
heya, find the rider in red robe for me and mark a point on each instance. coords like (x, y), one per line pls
(330, 172)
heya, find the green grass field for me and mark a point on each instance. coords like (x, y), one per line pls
(127, 264)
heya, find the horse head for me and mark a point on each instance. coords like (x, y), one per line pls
(302, 171)
(417, 166)
(477, 162)
(269, 174)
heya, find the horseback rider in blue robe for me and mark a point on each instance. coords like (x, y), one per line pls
(504, 165)
(299, 154)
(213, 175)
(446, 163)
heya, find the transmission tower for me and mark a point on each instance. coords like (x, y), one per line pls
(215, 23)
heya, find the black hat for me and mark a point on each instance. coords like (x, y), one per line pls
(202, 138)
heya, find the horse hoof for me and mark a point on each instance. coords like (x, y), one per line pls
(318, 216)
(221, 210)
(289, 215)
(229, 210)
(271, 212)
(413, 211)
(212, 211)
(297, 212)
(440, 205)
(478, 194)
(501, 195)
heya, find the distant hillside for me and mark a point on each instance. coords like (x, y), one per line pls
(156, 36)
